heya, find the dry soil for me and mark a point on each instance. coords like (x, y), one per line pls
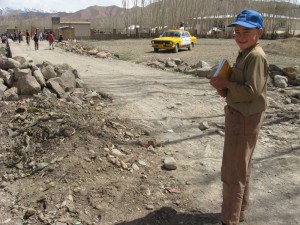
(168, 108)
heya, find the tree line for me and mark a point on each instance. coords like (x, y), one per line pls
(149, 15)
(169, 13)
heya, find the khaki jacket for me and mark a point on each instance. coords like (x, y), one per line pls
(247, 91)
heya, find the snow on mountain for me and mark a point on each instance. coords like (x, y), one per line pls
(11, 11)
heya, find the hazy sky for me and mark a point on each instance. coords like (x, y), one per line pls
(57, 5)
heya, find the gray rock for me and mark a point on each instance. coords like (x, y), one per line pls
(280, 81)
(203, 125)
(170, 163)
(39, 77)
(20, 73)
(181, 68)
(80, 83)
(7, 77)
(56, 88)
(28, 85)
(3, 88)
(203, 64)
(11, 94)
(48, 72)
(203, 72)
(157, 64)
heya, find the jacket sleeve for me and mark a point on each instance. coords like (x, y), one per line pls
(255, 73)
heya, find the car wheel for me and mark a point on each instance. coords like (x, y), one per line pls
(155, 49)
(175, 50)
(191, 46)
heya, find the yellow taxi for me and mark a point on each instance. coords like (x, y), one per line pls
(174, 40)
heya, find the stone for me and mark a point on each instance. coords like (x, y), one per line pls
(11, 94)
(48, 72)
(39, 77)
(93, 51)
(290, 72)
(29, 212)
(280, 81)
(102, 55)
(7, 77)
(170, 163)
(202, 72)
(203, 125)
(203, 64)
(28, 85)
(56, 88)
(21, 72)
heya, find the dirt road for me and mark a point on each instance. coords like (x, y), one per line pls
(171, 106)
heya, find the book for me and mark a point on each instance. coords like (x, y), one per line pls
(223, 69)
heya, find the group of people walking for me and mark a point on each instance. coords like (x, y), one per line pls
(50, 37)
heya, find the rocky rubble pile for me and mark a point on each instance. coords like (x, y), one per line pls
(64, 158)
(75, 47)
(281, 77)
(19, 77)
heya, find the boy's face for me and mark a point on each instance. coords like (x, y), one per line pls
(246, 37)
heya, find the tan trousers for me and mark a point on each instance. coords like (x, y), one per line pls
(240, 139)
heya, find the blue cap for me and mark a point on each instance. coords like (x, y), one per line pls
(249, 19)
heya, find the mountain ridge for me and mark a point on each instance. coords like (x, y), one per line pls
(90, 12)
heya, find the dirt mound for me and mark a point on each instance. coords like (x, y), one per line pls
(284, 47)
(67, 163)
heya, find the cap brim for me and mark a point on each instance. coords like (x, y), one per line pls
(243, 24)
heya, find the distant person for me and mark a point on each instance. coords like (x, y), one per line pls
(181, 26)
(41, 36)
(15, 36)
(61, 38)
(3, 38)
(36, 41)
(51, 40)
(27, 37)
(20, 35)
(246, 99)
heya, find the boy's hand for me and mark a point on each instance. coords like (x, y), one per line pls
(222, 93)
(219, 83)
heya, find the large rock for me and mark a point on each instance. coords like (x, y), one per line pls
(11, 94)
(157, 64)
(3, 88)
(8, 63)
(28, 85)
(54, 85)
(93, 51)
(39, 77)
(48, 72)
(291, 72)
(7, 77)
(203, 64)
(21, 72)
(66, 81)
(203, 72)
(102, 55)
(280, 81)
(20, 59)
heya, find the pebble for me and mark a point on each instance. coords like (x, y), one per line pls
(170, 163)
(116, 152)
(149, 207)
(29, 212)
(203, 125)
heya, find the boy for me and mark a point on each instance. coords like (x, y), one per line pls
(245, 93)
